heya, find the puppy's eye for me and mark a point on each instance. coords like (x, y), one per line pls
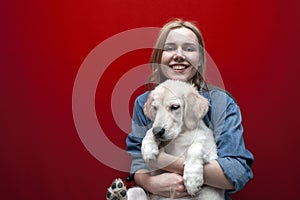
(175, 107)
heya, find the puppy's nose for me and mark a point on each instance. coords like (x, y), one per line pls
(158, 131)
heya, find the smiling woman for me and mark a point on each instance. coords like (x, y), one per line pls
(178, 54)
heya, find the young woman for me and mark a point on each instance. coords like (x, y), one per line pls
(179, 54)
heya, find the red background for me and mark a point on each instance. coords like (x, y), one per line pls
(255, 45)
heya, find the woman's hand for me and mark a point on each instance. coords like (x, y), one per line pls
(167, 184)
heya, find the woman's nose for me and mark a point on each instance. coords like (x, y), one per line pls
(178, 56)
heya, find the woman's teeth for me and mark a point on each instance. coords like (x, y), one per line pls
(178, 67)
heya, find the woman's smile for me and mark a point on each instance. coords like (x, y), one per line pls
(179, 67)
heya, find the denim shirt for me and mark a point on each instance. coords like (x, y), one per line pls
(223, 117)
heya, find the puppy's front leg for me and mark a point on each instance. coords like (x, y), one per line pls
(193, 169)
(150, 147)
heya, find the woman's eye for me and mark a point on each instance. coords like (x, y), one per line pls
(175, 107)
(190, 49)
(169, 48)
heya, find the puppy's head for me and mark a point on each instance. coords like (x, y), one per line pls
(174, 106)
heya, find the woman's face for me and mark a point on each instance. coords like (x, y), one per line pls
(181, 56)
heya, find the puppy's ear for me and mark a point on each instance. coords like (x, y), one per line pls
(196, 107)
(147, 108)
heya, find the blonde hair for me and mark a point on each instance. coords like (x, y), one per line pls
(156, 76)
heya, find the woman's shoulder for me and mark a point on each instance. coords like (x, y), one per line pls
(217, 95)
(142, 98)
(221, 105)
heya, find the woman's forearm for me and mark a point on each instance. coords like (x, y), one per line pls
(142, 179)
(214, 176)
(213, 173)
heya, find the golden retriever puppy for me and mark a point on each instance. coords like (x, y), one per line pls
(176, 109)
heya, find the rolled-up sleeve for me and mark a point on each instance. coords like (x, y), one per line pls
(233, 156)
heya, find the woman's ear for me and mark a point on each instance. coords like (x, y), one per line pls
(196, 107)
(147, 107)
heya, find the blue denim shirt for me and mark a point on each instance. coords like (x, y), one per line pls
(223, 117)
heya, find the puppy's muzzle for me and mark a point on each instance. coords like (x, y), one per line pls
(158, 132)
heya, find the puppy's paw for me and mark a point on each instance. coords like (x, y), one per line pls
(193, 184)
(117, 191)
(193, 181)
(149, 152)
(149, 147)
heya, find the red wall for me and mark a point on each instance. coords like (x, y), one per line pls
(255, 45)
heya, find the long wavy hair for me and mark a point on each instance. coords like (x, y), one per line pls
(156, 76)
